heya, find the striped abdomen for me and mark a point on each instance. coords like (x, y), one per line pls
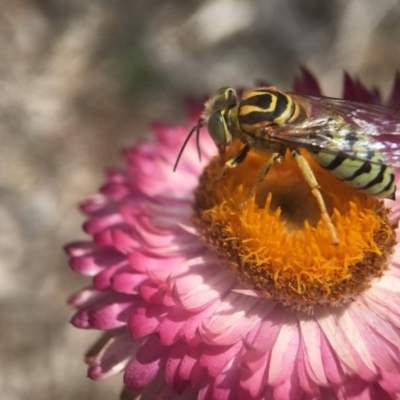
(262, 107)
(367, 171)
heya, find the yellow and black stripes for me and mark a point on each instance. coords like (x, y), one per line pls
(366, 171)
(263, 107)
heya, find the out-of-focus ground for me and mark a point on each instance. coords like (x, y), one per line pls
(81, 79)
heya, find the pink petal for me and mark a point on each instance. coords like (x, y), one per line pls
(352, 335)
(97, 204)
(394, 98)
(116, 190)
(234, 318)
(311, 337)
(123, 241)
(94, 261)
(145, 320)
(86, 298)
(109, 312)
(172, 367)
(290, 388)
(195, 291)
(341, 347)
(142, 262)
(304, 378)
(98, 224)
(263, 338)
(191, 327)
(390, 381)
(227, 381)
(102, 281)
(127, 282)
(332, 366)
(149, 360)
(191, 368)
(307, 83)
(215, 358)
(111, 355)
(170, 328)
(354, 90)
(376, 346)
(254, 379)
(284, 352)
(150, 292)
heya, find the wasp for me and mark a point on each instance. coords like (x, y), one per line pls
(356, 142)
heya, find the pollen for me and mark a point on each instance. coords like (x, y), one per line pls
(276, 242)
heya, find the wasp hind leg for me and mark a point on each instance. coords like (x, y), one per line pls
(312, 182)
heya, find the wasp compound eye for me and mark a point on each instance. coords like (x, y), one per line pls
(218, 129)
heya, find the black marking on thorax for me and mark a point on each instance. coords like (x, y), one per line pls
(262, 101)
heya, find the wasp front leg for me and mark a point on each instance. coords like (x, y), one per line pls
(235, 161)
(312, 182)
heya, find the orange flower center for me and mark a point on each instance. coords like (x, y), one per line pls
(277, 243)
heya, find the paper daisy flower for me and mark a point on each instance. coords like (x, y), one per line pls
(202, 295)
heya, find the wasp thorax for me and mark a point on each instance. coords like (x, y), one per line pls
(277, 244)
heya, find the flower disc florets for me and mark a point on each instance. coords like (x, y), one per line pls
(277, 244)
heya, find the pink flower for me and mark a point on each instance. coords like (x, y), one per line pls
(180, 315)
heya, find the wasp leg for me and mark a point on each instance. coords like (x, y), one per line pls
(312, 181)
(261, 176)
(235, 161)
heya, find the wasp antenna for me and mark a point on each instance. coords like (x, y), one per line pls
(196, 128)
(198, 142)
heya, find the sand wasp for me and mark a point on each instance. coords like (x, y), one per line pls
(356, 142)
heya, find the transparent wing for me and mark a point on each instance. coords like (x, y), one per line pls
(372, 118)
(365, 128)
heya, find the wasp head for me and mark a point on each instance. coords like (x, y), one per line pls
(216, 113)
(216, 117)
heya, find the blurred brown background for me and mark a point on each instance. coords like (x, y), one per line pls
(81, 79)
